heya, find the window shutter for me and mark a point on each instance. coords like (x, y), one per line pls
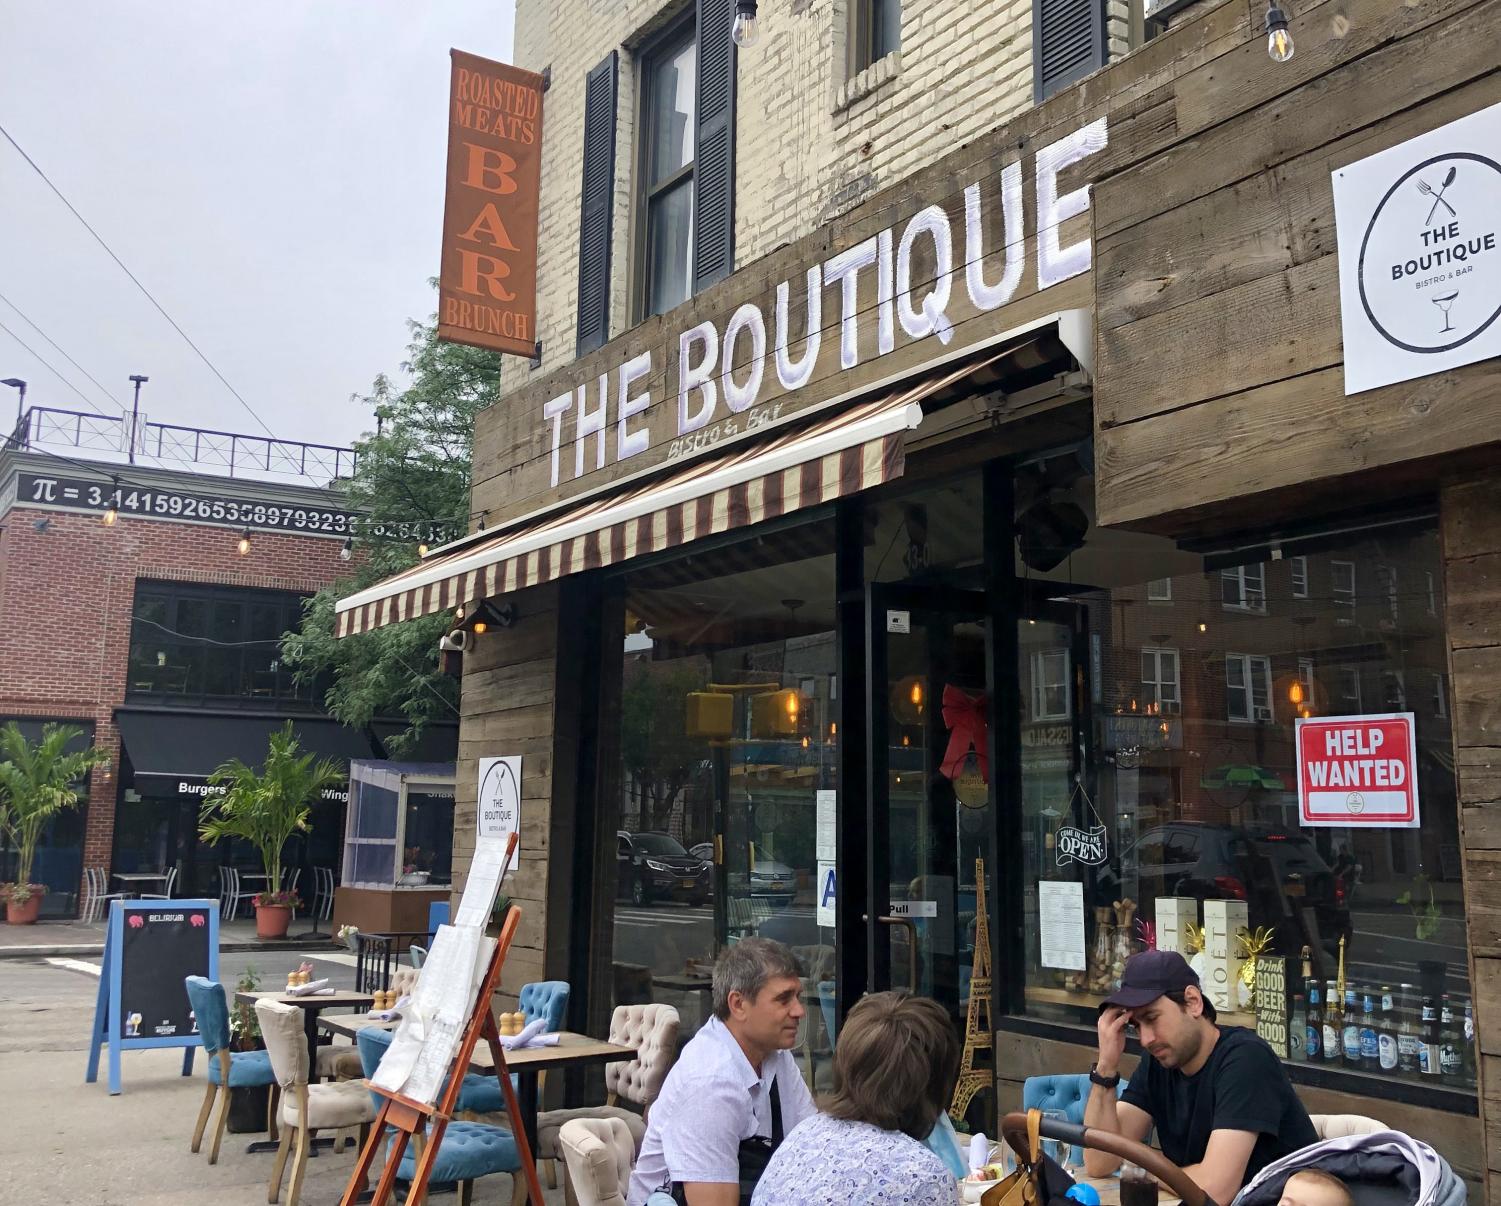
(1068, 42)
(714, 149)
(596, 204)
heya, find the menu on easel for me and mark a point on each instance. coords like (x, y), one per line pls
(486, 869)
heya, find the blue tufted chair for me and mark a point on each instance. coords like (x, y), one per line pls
(1068, 1093)
(469, 1150)
(545, 999)
(226, 1069)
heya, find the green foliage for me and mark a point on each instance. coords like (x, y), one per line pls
(655, 748)
(266, 809)
(244, 1027)
(412, 476)
(1426, 914)
(38, 780)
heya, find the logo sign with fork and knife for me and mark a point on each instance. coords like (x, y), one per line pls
(1419, 230)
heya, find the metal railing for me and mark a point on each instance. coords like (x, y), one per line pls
(171, 444)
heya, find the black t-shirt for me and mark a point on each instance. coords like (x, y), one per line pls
(1241, 1088)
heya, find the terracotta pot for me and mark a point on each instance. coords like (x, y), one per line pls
(25, 914)
(271, 921)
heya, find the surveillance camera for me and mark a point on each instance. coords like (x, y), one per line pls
(456, 641)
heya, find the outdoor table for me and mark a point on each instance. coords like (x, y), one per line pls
(572, 1051)
(1109, 1189)
(140, 877)
(311, 1005)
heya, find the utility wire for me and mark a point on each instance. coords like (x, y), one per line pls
(146, 292)
(63, 354)
(40, 360)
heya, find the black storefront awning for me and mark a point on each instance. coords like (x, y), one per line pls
(189, 747)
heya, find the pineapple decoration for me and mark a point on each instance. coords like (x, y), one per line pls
(1193, 950)
(1254, 945)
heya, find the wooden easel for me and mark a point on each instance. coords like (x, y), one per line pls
(408, 1118)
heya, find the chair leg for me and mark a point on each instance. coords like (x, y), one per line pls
(299, 1167)
(551, 1171)
(208, 1108)
(219, 1124)
(273, 1111)
(284, 1148)
(569, 1197)
(466, 1193)
(518, 1189)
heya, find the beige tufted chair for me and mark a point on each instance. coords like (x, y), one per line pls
(1337, 1126)
(653, 1031)
(814, 963)
(599, 1153)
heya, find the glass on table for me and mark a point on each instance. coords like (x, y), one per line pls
(1138, 1187)
(1056, 1149)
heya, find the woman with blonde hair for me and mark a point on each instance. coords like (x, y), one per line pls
(895, 1066)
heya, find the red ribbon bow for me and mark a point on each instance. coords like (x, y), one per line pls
(968, 721)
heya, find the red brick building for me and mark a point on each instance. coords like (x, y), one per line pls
(157, 633)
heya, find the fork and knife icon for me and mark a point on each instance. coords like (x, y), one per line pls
(1437, 194)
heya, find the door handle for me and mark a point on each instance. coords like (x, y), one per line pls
(911, 928)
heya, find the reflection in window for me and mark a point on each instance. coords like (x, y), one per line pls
(668, 104)
(1300, 577)
(1248, 686)
(875, 31)
(1244, 587)
(1159, 679)
(1342, 589)
(1050, 685)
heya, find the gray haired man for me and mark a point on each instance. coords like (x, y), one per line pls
(730, 1084)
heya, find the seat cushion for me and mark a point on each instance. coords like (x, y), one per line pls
(481, 1094)
(469, 1150)
(246, 1070)
(550, 1122)
(344, 1103)
(339, 1063)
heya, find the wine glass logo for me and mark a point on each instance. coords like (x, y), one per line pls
(1444, 303)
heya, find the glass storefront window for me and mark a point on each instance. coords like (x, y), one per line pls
(1187, 678)
(724, 767)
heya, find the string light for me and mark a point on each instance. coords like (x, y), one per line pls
(1279, 41)
(422, 549)
(112, 512)
(346, 551)
(746, 31)
(244, 542)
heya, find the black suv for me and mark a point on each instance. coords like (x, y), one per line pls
(654, 866)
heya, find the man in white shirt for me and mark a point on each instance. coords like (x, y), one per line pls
(719, 1092)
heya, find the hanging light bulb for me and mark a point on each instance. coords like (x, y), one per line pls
(244, 542)
(422, 549)
(1295, 692)
(746, 31)
(917, 695)
(112, 512)
(1279, 41)
(347, 551)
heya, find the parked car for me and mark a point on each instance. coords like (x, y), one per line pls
(654, 866)
(1274, 870)
(768, 878)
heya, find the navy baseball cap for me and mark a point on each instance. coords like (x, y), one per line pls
(1152, 974)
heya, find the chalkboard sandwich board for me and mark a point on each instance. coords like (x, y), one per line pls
(150, 948)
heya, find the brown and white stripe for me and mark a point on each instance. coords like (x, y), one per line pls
(852, 451)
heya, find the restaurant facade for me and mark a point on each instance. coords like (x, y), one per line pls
(1021, 558)
(157, 634)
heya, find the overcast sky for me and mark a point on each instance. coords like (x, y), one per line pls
(273, 174)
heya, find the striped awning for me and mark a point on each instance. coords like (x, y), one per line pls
(854, 450)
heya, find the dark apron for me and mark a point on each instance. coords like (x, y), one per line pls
(755, 1154)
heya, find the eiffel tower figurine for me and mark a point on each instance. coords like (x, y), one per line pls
(978, 1035)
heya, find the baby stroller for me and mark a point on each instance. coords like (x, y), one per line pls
(1384, 1168)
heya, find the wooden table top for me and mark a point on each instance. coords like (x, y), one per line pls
(325, 1000)
(572, 1049)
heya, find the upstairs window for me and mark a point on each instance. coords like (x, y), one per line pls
(1300, 577)
(1342, 590)
(1243, 588)
(1248, 687)
(669, 108)
(875, 31)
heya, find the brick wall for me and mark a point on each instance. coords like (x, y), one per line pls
(811, 142)
(66, 595)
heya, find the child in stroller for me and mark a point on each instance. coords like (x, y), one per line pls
(1383, 1168)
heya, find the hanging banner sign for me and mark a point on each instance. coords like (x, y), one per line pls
(1088, 846)
(487, 285)
(1358, 771)
(1419, 229)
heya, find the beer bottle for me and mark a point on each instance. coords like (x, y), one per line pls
(1333, 1025)
(1428, 1053)
(1370, 1052)
(1407, 1036)
(1451, 1049)
(1350, 1038)
(1297, 1026)
(1468, 1035)
(1386, 1032)
(1313, 1030)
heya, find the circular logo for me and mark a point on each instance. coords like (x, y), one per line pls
(1430, 260)
(1355, 803)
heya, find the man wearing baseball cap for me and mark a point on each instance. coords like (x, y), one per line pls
(1218, 1096)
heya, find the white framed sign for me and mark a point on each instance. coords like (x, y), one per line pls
(1419, 229)
(499, 811)
(1358, 772)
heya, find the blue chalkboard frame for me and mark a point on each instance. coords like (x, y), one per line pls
(107, 1029)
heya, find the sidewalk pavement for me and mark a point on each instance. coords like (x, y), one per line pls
(81, 939)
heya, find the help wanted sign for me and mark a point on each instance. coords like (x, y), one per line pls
(1358, 771)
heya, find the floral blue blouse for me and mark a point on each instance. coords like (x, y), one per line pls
(827, 1162)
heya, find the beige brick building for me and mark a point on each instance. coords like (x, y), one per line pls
(814, 136)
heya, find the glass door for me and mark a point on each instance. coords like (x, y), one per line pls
(930, 819)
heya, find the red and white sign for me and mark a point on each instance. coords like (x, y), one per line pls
(1356, 771)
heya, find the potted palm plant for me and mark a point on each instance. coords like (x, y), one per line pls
(266, 808)
(38, 780)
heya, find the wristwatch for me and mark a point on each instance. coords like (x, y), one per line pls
(1105, 1082)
